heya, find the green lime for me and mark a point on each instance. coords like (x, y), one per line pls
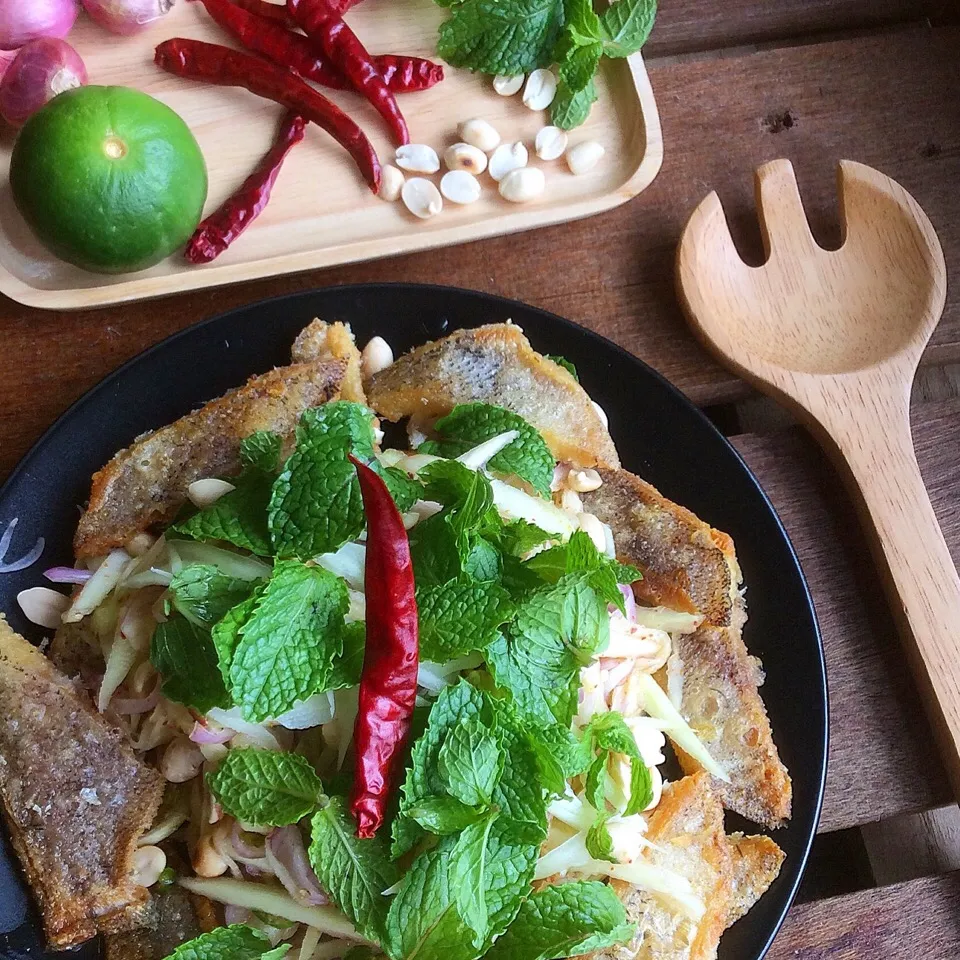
(108, 178)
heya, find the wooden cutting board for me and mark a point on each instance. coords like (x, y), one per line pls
(321, 212)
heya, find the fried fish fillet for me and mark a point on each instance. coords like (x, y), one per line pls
(686, 829)
(170, 920)
(689, 566)
(495, 364)
(145, 485)
(75, 798)
(332, 341)
(755, 864)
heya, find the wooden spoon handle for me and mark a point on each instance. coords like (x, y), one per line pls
(920, 575)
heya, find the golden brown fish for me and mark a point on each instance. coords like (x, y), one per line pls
(75, 798)
(332, 341)
(495, 364)
(755, 864)
(687, 565)
(145, 485)
(686, 829)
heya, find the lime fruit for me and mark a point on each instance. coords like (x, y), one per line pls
(109, 178)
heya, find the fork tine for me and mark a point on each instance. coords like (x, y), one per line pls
(783, 223)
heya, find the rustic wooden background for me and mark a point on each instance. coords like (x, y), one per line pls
(739, 82)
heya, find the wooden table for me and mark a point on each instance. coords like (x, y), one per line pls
(738, 82)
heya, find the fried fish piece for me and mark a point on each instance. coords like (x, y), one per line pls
(721, 701)
(75, 798)
(688, 565)
(320, 340)
(755, 864)
(495, 364)
(686, 829)
(145, 485)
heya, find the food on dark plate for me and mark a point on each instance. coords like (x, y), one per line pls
(412, 703)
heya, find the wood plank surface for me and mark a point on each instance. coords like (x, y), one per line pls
(694, 25)
(882, 759)
(911, 920)
(613, 273)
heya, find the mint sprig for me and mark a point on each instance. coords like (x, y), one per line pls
(204, 595)
(459, 617)
(236, 942)
(184, 655)
(265, 787)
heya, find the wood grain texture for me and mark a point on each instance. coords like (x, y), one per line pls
(882, 759)
(612, 273)
(837, 336)
(701, 25)
(916, 919)
(918, 845)
(321, 211)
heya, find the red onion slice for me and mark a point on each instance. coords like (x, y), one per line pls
(127, 706)
(629, 601)
(204, 734)
(67, 575)
(243, 847)
(287, 856)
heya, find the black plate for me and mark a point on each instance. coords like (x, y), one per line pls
(659, 434)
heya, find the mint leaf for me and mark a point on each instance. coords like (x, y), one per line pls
(467, 493)
(423, 780)
(264, 787)
(580, 65)
(261, 450)
(518, 793)
(459, 617)
(599, 842)
(468, 874)
(579, 555)
(423, 922)
(470, 762)
(287, 647)
(238, 517)
(443, 815)
(566, 920)
(346, 669)
(557, 630)
(519, 537)
(226, 632)
(496, 37)
(236, 942)
(560, 755)
(625, 26)
(315, 504)
(204, 595)
(184, 655)
(609, 733)
(354, 872)
(570, 108)
(404, 489)
(563, 361)
(527, 457)
(583, 21)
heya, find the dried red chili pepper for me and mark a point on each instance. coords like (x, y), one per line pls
(272, 40)
(214, 64)
(222, 227)
(388, 683)
(278, 11)
(348, 54)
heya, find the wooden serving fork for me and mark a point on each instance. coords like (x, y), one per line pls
(837, 337)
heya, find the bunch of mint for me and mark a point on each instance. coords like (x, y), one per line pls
(512, 37)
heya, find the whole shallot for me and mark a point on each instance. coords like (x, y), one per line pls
(127, 16)
(41, 70)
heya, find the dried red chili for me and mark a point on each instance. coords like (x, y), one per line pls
(388, 683)
(278, 11)
(222, 227)
(212, 63)
(268, 37)
(348, 54)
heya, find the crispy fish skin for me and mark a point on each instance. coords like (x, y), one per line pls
(495, 364)
(172, 918)
(755, 864)
(687, 565)
(320, 340)
(686, 829)
(145, 485)
(75, 798)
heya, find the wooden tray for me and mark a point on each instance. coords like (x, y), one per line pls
(321, 213)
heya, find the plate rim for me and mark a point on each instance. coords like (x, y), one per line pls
(822, 689)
